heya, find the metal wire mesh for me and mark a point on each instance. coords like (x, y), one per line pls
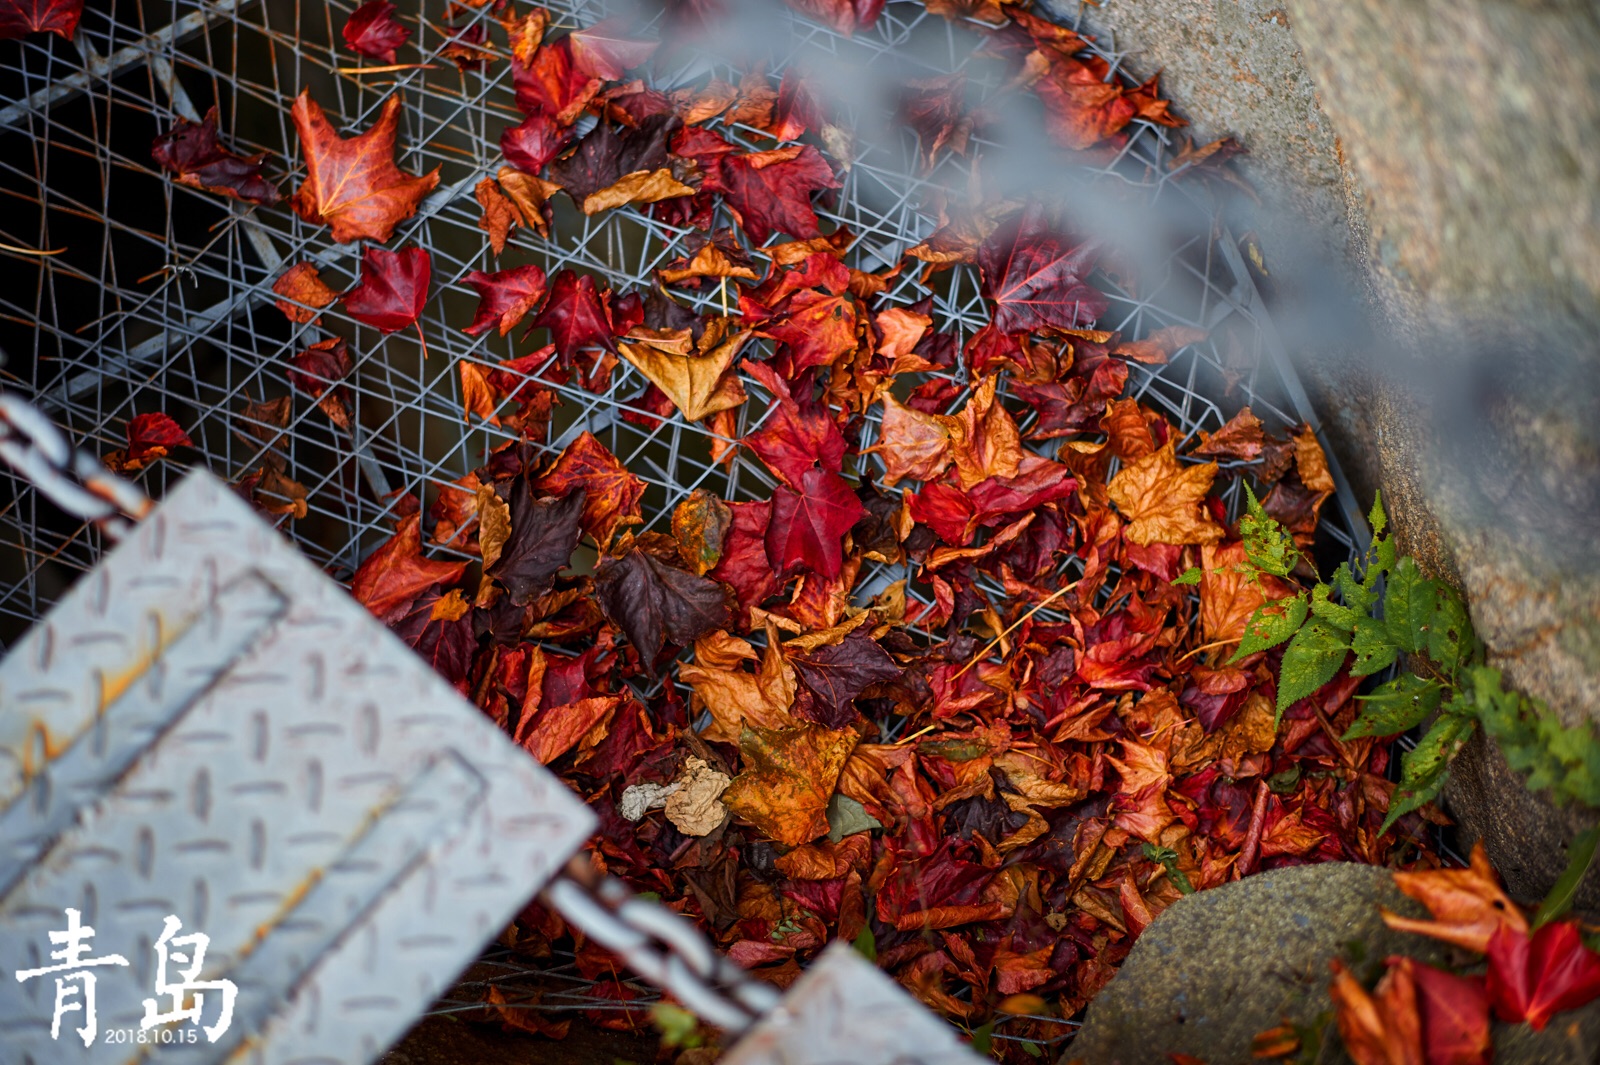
(161, 299)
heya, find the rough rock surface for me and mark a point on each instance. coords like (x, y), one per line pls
(1221, 966)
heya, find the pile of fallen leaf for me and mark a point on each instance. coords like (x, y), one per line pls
(992, 773)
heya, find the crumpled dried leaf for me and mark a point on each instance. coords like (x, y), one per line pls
(695, 805)
(698, 383)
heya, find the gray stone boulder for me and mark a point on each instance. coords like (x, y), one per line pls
(1221, 966)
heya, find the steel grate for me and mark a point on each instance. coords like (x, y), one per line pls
(161, 299)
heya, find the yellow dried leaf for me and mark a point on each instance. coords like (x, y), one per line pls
(1164, 501)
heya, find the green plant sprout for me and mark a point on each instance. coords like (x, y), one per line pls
(1385, 607)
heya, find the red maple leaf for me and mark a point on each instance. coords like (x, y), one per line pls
(794, 438)
(505, 296)
(1531, 978)
(808, 525)
(190, 151)
(602, 51)
(844, 16)
(372, 30)
(743, 564)
(396, 573)
(18, 18)
(577, 315)
(1035, 277)
(771, 191)
(1455, 1015)
(552, 84)
(538, 139)
(150, 437)
(392, 289)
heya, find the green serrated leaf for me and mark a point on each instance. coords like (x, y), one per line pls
(1401, 704)
(1373, 648)
(1267, 544)
(983, 1038)
(1032, 1050)
(1408, 606)
(1271, 624)
(1314, 655)
(1579, 857)
(1377, 518)
(1424, 770)
(1355, 595)
(1449, 630)
(1191, 575)
(1340, 617)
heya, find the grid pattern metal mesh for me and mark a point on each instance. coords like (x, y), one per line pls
(162, 301)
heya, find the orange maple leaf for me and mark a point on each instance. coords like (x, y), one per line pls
(353, 184)
(397, 572)
(1467, 904)
(790, 776)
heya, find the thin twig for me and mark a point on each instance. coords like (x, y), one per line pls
(35, 251)
(389, 69)
(1046, 601)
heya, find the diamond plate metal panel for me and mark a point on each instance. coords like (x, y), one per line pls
(844, 1011)
(208, 728)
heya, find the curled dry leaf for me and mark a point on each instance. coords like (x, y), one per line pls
(531, 197)
(353, 184)
(373, 31)
(697, 381)
(695, 804)
(191, 153)
(500, 216)
(641, 186)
